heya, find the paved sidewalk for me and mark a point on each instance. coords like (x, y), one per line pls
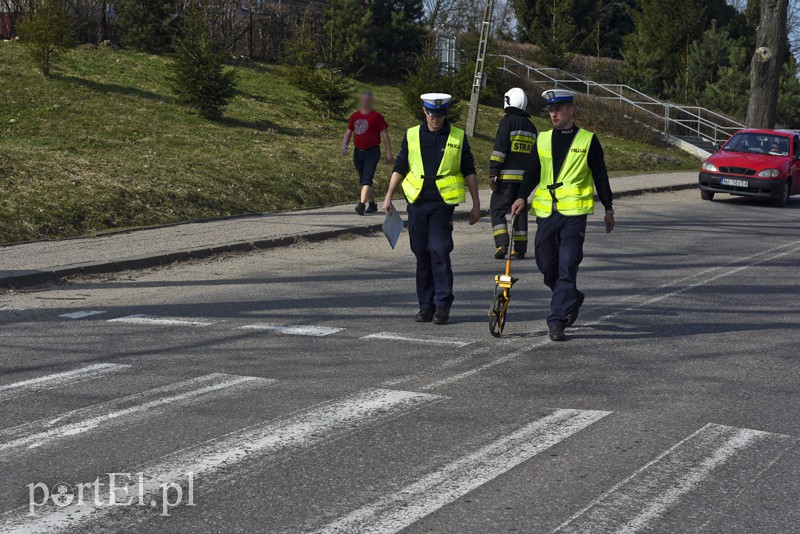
(43, 261)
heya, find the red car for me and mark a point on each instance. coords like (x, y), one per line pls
(755, 163)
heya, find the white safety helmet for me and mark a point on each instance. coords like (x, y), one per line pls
(515, 98)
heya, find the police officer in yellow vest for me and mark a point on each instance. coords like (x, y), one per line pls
(569, 169)
(433, 166)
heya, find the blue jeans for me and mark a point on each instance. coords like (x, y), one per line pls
(430, 227)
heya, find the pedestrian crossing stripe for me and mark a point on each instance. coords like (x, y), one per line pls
(81, 314)
(44, 431)
(400, 509)
(55, 380)
(636, 502)
(319, 424)
(150, 320)
(391, 336)
(293, 330)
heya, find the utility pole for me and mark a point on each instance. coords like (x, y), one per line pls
(477, 80)
(767, 64)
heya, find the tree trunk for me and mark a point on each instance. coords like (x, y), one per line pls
(767, 64)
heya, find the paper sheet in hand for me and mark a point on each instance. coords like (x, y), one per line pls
(393, 227)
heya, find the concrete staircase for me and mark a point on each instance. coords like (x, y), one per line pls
(694, 129)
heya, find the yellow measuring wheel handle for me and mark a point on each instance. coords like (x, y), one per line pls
(497, 313)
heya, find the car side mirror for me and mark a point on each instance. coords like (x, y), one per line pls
(717, 148)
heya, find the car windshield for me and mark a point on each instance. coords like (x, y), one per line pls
(757, 143)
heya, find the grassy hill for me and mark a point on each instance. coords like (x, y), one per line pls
(104, 145)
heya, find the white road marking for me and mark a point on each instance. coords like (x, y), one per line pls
(44, 431)
(82, 314)
(55, 380)
(267, 440)
(160, 321)
(293, 330)
(634, 503)
(397, 511)
(390, 336)
(446, 364)
(763, 258)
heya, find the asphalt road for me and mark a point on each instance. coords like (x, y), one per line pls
(673, 406)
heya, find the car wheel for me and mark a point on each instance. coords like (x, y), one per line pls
(786, 193)
(706, 195)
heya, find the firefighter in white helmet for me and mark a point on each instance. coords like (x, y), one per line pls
(514, 148)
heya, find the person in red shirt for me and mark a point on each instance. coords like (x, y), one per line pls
(367, 127)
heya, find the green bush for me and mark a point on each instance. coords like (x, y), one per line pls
(199, 77)
(48, 32)
(147, 24)
(327, 90)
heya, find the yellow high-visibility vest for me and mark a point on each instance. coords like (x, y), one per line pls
(449, 179)
(575, 195)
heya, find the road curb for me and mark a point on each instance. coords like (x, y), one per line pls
(146, 262)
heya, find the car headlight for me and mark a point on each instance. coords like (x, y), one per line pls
(708, 167)
(769, 173)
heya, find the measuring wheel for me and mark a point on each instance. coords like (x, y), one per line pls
(502, 292)
(497, 315)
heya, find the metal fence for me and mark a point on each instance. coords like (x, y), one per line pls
(672, 119)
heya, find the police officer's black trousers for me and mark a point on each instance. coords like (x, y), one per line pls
(430, 227)
(559, 252)
(499, 206)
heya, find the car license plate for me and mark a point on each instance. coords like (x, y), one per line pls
(734, 183)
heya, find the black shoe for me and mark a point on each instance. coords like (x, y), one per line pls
(500, 253)
(557, 333)
(572, 314)
(517, 255)
(372, 208)
(360, 208)
(425, 315)
(441, 316)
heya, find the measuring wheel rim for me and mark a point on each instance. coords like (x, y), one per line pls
(497, 314)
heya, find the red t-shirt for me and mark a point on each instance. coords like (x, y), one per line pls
(367, 128)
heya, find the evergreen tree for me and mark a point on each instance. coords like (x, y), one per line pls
(397, 35)
(789, 95)
(730, 93)
(556, 34)
(48, 32)
(612, 22)
(199, 77)
(704, 59)
(663, 31)
(428, 78)
(347, 29)
(574, 20)
(643, 69)
(147, 24)
(328, 90)
(708, 55)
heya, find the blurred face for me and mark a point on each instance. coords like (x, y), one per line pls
(365, 102)
(562, 115)
(434, 123)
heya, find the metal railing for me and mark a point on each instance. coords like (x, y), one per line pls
(670, 119)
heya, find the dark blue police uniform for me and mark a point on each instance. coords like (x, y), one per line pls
(430, 219)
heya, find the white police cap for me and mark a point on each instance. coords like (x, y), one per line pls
(558, 96)
(436, 103)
